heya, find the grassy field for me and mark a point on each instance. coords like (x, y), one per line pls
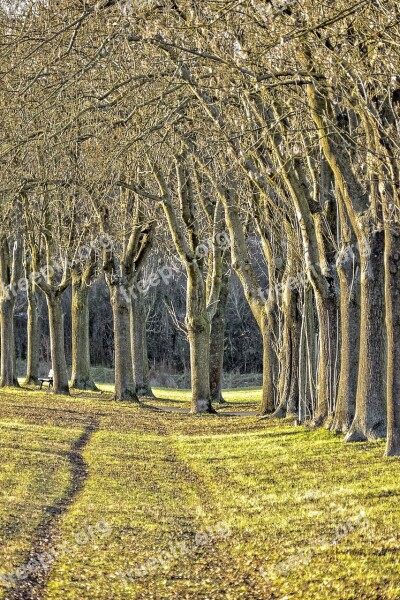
(105, 500)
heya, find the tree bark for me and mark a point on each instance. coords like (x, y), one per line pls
(56, 324)
(199, 341)
(268, 327)
(392, 274)
(10, 271)
(81, 377)
(217, 344)
(8, 375)
(307, 357)
(289, 375)
(199, 333)
(125, 387)
(327, 357)
(33, 330)
(139, 346)
(370, 418)
(364, 211)
(349, 277)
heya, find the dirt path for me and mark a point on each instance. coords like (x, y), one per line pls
(33, 586)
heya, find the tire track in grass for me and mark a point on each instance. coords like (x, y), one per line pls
(32, 587)
(207, 570)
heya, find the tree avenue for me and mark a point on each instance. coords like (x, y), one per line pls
(251, 140)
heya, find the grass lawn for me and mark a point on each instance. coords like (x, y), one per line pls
(169, 505)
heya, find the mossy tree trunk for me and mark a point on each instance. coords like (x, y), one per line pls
(122, 270)
(289, 375)
(327, 312)
(53, 292)
(81, 377)
(10, 273)
(125, 386)
(392, 274)
(33, 343)
(307, 356)
(82, 275)
(34, 299)
(198, 328)
(8, 374)
(56, 325)
(139, 345)
(349, 278)
(217, 344)
(269, 325)
(370, 416)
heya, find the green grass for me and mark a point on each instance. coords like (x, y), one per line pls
(182, 397)
(34, 475)
(303, 515)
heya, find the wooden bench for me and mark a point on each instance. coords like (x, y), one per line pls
(48, 379)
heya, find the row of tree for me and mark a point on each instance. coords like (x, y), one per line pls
(167, 345)
(277, 122)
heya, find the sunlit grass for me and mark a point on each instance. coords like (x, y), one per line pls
(234, 396)
(35, 474)
(292, 498)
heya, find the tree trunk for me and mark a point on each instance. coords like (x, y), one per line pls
(125, 387)
(139, 347)
(33, 346)
(327, 356)
(370, 418)
(217, 345)
(349, 277)
(307, 357)
(81, 377)
(269, 332)
(289, 375)
(56, 324)
(392, 273)
(8, 374)
(199, 341)
(199, 334)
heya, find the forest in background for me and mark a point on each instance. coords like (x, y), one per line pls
(167, 345)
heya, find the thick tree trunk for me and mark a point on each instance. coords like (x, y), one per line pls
(139, 347)
(269, 332)
(33, 346)
(199, 340)
(349, 277)
(81, 377)
(370, 418)
(307, 357)
(289, 375)
(125, 387)
(56, 324)
(392, 273)
(8, 374)
(199, 333)
(10, 270)
(217, 344)
(268, 386)
(327, 311)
